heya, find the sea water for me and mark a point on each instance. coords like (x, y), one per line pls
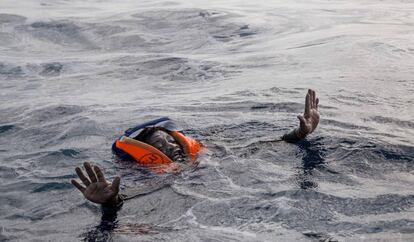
(233, 74)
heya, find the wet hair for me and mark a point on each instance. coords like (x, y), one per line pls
(146, 133)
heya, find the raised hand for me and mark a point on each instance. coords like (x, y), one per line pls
(97, 189)
(310, 118)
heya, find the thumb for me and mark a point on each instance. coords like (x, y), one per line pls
(115, 184)
(301, 120)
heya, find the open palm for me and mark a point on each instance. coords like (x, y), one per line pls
(97, 189)
(310, 118)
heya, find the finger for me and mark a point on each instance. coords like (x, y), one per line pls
(307, 104)
(302, 120)
(311, 98)
(99, 174)
(81, 176)
(78, 186)
(91, 173)
(317, 103)
(115, 184)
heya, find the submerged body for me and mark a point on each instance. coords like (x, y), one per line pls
(167, 146)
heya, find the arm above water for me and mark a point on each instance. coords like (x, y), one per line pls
(97, 189)
(307, 122)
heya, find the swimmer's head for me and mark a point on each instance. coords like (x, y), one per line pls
(164, 142)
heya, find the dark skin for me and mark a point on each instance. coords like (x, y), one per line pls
(310, 118)
(97, 189)
(166, 144)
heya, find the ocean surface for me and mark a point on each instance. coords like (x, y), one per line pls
(75, 74)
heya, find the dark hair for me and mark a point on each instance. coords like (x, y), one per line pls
(146, 133)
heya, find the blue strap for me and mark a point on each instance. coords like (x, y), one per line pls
(130, 131)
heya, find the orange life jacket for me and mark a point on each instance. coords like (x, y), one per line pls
(148, 155)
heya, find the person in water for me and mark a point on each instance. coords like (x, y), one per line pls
(159, 146)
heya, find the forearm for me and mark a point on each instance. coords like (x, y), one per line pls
(115, 204)
(293, 136)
